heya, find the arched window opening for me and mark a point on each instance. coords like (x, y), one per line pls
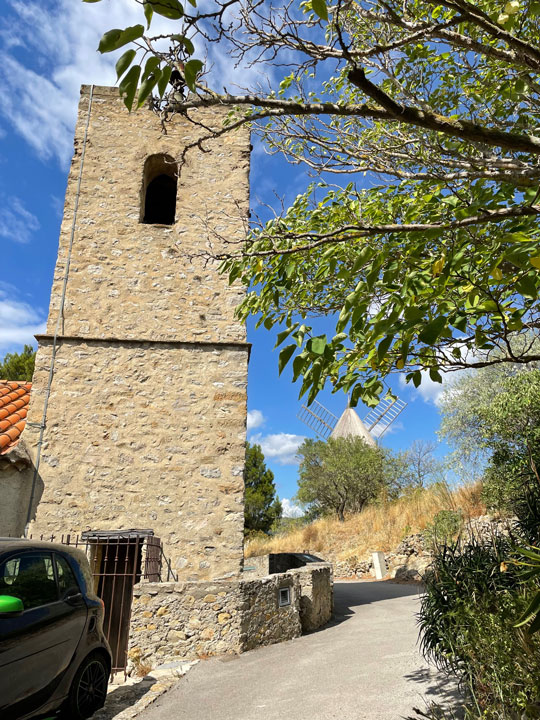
(159, 190)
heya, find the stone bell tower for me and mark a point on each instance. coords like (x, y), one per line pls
(145, 423)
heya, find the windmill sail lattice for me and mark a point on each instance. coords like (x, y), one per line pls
(384, 414)
(326, 424)
(318, 418)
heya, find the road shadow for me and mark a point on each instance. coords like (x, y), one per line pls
(441, 695)
(121, 697)
(350, 595)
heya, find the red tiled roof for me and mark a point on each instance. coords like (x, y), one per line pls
(14, 399)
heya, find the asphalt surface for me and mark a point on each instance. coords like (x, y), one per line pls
(364, 665)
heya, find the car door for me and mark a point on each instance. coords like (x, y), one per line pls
(37, 645)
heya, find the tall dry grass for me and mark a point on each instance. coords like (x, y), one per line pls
(378, 527)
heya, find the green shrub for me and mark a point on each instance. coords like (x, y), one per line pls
(467, 618)
(445, 526)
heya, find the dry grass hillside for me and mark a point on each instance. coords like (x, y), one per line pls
(378, 527)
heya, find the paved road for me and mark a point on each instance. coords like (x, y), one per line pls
(364, 666)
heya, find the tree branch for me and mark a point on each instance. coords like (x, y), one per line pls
(439, 123)
(352, 232)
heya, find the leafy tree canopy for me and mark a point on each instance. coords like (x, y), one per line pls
(466, 405)
(18, 366)
(494, 414)
(342, 474)
(419, 122)
(261, 506)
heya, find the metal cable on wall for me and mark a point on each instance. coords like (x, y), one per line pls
(59, 320)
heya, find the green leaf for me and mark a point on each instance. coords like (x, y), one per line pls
(319, 7)
(128, 86)
(298, 365)
(535, 625)
(417, 378)
(285, 334)
(185, 41)
(114, 39)
(530, 612)
(147, 85)
(285, 355)
(164, 80)
(124, 62)
(148, 13)
(527, 286)
(343, 319)
(435, 375)
(235, 273)
(193, 3)
(317, 344)
(531, 554)
(151, 65)
(383, 346)
(432, 330)
(191, 69)
(168, 8)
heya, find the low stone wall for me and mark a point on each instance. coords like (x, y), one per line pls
(316, 594)
(183, 620)
(316, 583)
(197, 619)
(263, 621)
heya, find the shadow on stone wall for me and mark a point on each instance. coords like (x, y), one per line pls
(16, 478)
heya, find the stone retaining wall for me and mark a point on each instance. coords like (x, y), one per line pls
(197, 619)
(316, 594)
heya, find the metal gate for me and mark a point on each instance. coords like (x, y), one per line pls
(119, 559)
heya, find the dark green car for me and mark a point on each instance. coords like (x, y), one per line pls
(54, 657)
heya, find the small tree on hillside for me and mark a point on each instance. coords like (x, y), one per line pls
(18, 366)
(341, 475)
(420, 466)
(262, 507)
(496, 414)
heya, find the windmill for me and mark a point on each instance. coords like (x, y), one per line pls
(326, 424)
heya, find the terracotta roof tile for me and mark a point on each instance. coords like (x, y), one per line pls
(14, 399)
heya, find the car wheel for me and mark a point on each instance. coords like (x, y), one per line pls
(88, 689)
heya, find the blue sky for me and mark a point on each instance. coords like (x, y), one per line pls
(47, 50)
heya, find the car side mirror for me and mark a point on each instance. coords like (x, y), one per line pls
(10, 605)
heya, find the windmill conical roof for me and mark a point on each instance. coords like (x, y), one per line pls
(350, 425)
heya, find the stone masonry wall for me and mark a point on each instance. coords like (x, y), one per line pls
(316, 584)
(146, 419)
(133, 280)
(316, 594)
(263, 621)
(188, 620)
(147, 438)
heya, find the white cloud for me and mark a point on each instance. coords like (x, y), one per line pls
(291, 510)
(19, 321)
(429, 390)
(16, 222)
(59, 42)
(255, 419)
(281, 447)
